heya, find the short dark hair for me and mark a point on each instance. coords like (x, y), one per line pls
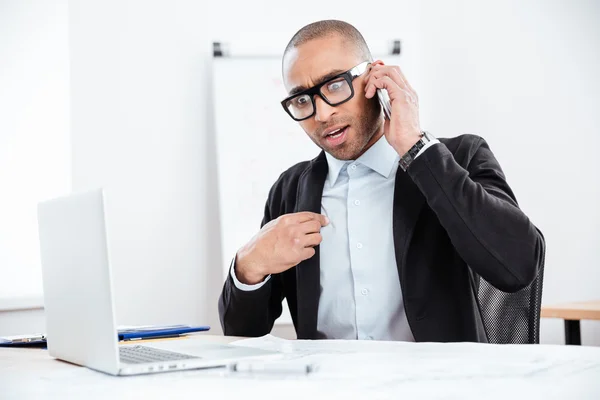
(331, 27)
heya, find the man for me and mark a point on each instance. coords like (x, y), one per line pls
(382, 235)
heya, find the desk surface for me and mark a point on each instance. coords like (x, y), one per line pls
(345, 369)
(573, 311)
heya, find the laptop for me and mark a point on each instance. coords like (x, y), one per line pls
(79, 307)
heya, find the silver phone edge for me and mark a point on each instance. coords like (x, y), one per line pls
(384, 100)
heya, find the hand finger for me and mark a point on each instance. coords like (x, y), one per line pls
(371, 88)
(312, 226)
(369, 91)
(394, 91)
(304, 216)
(410, 88)
(378, 72)
(393, 73)
(307, 253)
(371, 66)
(385, 82)
(374, 66)
(322, 219)
(311, 240)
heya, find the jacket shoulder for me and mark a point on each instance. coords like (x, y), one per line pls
(283, 193)
(288, 180)
(463, 147)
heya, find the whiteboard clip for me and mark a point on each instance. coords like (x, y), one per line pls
(396, 47)
(220, 49)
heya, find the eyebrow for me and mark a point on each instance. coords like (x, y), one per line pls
(324, 78)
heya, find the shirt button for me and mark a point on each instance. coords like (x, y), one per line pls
(364, 292)
(357, 202)
(353, 166)
(359, 245)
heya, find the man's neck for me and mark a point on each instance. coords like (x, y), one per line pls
(371, 142)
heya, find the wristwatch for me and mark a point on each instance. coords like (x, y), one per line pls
(411, 154)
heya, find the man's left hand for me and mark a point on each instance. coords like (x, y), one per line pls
(404, 129)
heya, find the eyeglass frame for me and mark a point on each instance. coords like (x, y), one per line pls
(349, 76)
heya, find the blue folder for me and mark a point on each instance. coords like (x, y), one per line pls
(159, 332)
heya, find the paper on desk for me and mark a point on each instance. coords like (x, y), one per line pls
(348, 370)
(381, 365)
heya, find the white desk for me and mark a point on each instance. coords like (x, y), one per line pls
(366, 370)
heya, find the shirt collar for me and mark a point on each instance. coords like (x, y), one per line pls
(335, 167)
(380, 157)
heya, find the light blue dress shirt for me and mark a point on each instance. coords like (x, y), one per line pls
(360, 294)
(360, 289)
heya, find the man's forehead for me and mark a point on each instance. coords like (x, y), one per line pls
(310, 61)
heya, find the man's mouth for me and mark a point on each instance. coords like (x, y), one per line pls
(336, 136)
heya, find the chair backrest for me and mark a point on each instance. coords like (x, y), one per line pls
(512, 317)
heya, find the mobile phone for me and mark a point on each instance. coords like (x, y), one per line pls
(384, 100)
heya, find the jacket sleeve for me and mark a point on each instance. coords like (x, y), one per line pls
(479, 212)
(251, 313)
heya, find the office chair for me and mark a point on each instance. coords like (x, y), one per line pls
(512, 317)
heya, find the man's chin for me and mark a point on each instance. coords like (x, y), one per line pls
(344, 153)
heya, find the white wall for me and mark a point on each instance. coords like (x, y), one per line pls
(525, 76)
(34, 145)
(520, 74)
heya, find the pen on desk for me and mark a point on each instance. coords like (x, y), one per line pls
(272, 367)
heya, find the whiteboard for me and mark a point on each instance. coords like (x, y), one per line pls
(256, 141)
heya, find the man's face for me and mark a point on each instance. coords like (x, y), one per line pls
(360, 118)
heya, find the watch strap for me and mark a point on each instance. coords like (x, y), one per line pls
(411, 154)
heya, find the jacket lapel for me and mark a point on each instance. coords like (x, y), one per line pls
(310, 192)
(408, 201)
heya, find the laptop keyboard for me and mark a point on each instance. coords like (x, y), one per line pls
(143, 354)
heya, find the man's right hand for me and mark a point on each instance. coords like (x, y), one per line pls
(280, 244)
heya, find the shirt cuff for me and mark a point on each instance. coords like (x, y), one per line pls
(243, 286)
(428, 145)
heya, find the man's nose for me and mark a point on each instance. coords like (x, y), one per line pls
(323, 111)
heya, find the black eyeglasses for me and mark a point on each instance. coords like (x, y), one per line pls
(334, 92)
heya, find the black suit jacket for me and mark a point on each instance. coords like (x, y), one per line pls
(454, 217)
